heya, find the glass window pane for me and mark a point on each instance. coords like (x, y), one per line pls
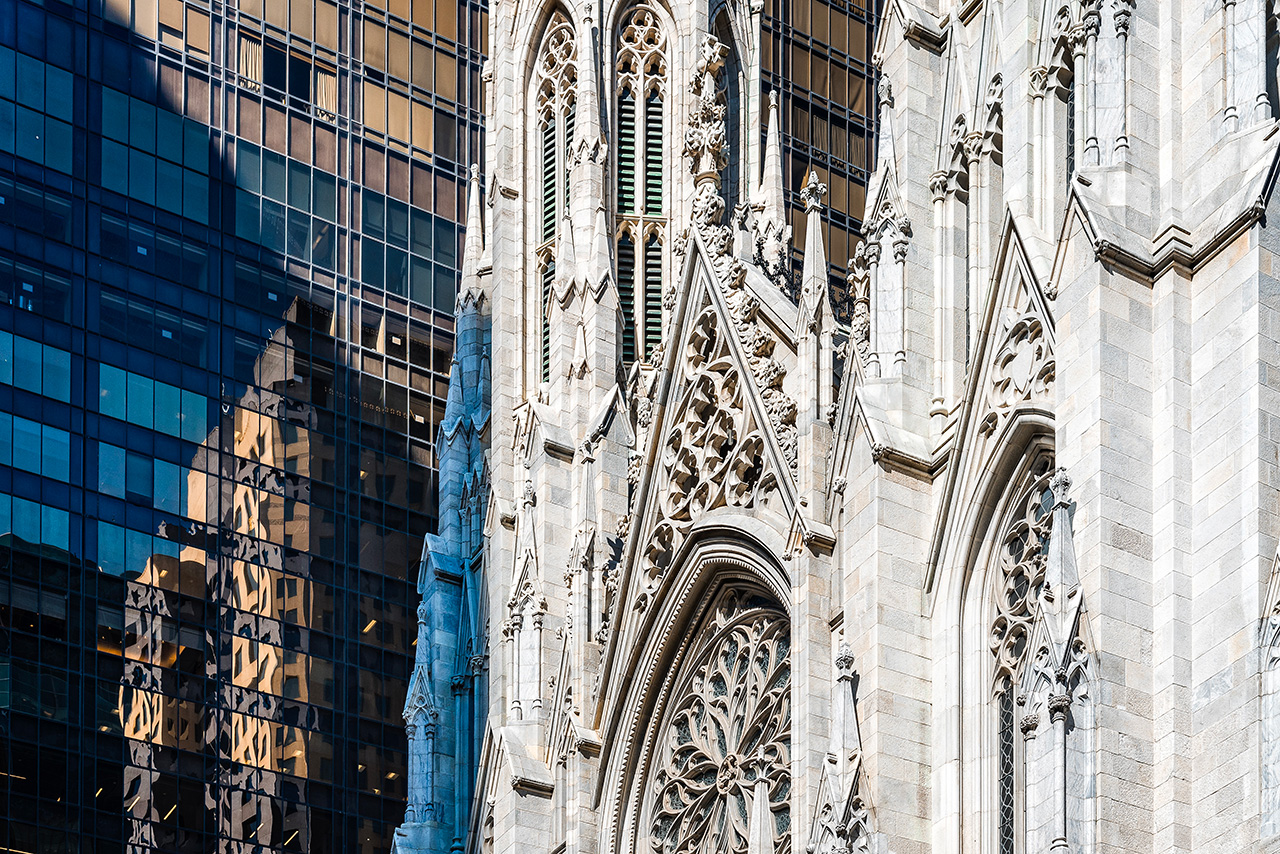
(26, 445)
(111, 391)
(28, 359)
(137, 477)
(140, 401)
(6, 358)
(56, 453)
(57, 374)
(193, 417)
(168, 409)
(111, 470)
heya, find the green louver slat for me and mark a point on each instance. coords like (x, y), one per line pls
(568, 147)
(548, 276)
(548, 180)
(652, 294)
(627, 296)
(627, 152)
(653, 155)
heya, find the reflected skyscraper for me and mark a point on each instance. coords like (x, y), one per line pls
(230, 239)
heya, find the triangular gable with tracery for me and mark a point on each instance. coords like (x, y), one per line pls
(712, 445)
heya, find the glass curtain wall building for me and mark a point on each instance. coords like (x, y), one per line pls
(229, 241)
(816, 54)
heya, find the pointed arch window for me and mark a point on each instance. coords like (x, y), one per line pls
(1041, 710)
(642, 214)
(554, 93)
(1019, 574)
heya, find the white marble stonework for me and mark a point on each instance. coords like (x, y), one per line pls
(991, 570)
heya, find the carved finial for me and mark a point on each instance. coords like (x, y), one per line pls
(844, 660)
(1060, 483)
(812, 193)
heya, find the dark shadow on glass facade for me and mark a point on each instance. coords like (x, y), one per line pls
(229, 241)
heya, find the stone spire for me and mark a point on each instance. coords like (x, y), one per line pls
(769, 194)
(772, 234)
(1060, 599)
(473, 248)
(813, 352)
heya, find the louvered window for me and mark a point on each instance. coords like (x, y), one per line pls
(549, 179)
(627, 152)
(653, 155)
(553, 103)
(627, 295)
(548, 276)
(652, 294)
(641, 86)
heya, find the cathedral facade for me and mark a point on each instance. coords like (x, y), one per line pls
(985, 564)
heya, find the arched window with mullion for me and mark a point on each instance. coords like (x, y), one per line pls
(554, 93)
(641, 204)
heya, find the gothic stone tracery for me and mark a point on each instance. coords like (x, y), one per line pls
(724, 753)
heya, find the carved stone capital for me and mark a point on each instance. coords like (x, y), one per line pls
(1123, 16)
(939, 185)
(1029, 724)
(1039, 81)
(873, 251)
(1058, 705)
(900, 250)
(975, 145)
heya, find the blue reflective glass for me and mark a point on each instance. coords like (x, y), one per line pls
(59, 92)
(140, 402)
(56, 453)
(115, 167)
(26, 445)
(167, 487)
(57, 374)
(111, 392)
(111, 470)
(26, 520)
(28, 362)
(115, 115)
(168, 400)
(137, 477)
(110, 548)
(194, 411)
(6, 358)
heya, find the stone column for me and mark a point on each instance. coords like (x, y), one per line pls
(1058, 705)
(1123, 16)
(1092, 23)
(938, 182)
(1230, 116)
(1077, 84)
(1040, 178)
(900, 272)
(973, 148)
(873, 278)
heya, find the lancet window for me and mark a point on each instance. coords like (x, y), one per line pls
(642, 214)
(554, 93)
(1015, 582)
(1041, 710)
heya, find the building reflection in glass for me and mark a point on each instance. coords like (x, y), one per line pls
(226, 270)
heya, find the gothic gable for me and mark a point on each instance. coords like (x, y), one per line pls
(1012, 385)
(724, 435)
